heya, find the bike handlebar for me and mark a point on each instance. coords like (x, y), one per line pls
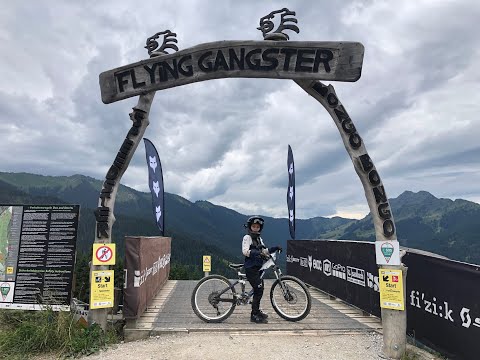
(266, 257)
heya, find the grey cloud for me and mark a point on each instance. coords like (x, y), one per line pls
(226, 140)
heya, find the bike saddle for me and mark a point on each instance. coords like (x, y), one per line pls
(235, 266)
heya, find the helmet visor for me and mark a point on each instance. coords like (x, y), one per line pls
(257, 221)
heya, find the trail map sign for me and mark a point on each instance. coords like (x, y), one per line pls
(37, 255)
(387, 252)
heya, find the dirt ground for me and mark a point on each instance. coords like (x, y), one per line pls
(252, 346)
(248, 346)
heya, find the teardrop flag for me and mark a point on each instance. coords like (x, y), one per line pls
(291, 193)
(155, 182)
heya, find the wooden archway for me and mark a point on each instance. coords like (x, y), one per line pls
(304, 62)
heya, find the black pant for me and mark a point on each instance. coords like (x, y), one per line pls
(253, 276)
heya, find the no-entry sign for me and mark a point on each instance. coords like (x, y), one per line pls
(103, 254)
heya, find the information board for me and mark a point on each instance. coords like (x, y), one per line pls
(37, 255)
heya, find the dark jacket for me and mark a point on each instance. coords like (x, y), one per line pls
(252, 249)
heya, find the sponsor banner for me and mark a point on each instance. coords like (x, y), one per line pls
(344, 269)
(291, 193)
(147, 266)
(37, 255)
(442, 296)
(443, 304)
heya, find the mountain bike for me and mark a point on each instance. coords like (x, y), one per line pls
(214, 298)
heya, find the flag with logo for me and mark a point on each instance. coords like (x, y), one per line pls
(155, 182)
(291, 193)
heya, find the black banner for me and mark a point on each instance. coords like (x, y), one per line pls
(442, 299)
(443, 304)
(291, 192)
(344, 269)
(155, 182)
(37, 255)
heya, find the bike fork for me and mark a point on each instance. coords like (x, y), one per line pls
(285, 290)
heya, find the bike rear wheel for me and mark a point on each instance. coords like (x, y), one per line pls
(207, 302)
(290, 298)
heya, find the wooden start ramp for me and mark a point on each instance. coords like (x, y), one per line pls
(171, 312)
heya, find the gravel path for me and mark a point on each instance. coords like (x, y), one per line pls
(248, 346)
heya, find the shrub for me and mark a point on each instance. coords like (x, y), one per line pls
(25, 333)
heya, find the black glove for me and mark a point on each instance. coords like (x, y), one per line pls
(279, 249)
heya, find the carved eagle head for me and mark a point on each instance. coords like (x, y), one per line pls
(168, 39)
(267, 24)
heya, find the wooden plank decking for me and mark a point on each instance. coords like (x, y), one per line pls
(171, 311)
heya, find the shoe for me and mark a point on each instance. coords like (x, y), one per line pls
(258, 319)
(262, 314)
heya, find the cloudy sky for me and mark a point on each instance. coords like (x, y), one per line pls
(416, 105)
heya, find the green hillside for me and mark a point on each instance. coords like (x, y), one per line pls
(423, 221)
(443, 226)
(187, 251)
(202, 221)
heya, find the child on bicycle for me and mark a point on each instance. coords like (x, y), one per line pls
(255, 254)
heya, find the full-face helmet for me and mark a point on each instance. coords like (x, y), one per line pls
(254, 220)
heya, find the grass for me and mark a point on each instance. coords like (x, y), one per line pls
(410, 355)
(27, 333)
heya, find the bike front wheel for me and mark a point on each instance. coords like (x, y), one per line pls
(290, 298)
(213, 299)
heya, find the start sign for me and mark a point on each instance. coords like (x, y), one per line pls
(103, 254)
(391, 289)
(101, 289)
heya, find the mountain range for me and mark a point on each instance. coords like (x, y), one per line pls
(443, 226)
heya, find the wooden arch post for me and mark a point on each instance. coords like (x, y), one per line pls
(394, 322)
(104, 213)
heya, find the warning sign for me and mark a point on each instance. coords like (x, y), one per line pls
(101, 289)
(391, 289)
(207, 263)
(103, 254)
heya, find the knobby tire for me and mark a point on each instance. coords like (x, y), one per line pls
(298, 303)
(204, 294)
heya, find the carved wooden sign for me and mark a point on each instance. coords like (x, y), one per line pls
(334, 61)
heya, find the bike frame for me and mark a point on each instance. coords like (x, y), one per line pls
(243, 297)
